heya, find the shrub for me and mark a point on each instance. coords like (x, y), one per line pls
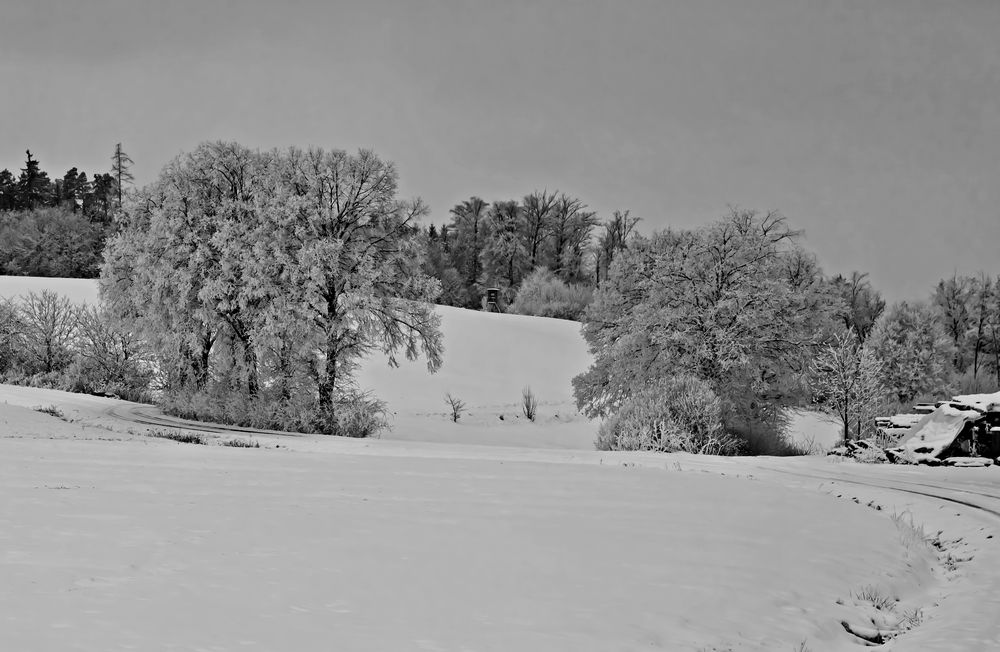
(544, 295)
(355, 414)
(529, 403)
(240, 443)
(181, 437)
(676, 414)
(51, 410)
(11, 330)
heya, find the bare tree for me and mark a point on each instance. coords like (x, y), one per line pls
(537, 208)
(50, 329)
(457, 406)
(617, 231)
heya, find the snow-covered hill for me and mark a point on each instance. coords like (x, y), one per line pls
(112, 539)
(489, 359)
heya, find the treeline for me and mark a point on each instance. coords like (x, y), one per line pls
(549, 238)
(58, 226)
(245, 286)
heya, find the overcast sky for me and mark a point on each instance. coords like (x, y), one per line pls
(873, 126)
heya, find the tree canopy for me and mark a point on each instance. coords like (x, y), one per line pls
(273, 270)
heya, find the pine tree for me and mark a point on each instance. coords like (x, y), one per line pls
(99, 199)
(33, 185)
(74, 188)
(121, 166)
(8, 191)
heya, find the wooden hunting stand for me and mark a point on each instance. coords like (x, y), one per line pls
(493, 300)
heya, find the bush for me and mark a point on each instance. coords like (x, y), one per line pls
(529, 403)
(355, 414)
(11, 329)
(542, 294)
(676, 414)
(240, 443)
(181, 437)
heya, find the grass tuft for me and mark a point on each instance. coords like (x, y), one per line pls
(50, 410)
(240, 443)
(875, 597)
(182, 437)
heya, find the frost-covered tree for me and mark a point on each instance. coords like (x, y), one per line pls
(505, 256)
(570, 228)
(543, 294)
(11, 334)
(955, 300)
(724, 303)
(847, 380)
(277, 269)
(914, 350)
(469, 229)
(988, 324)
(338, 259)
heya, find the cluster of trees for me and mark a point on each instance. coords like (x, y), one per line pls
(500, 244)
(47, 341)
(246, 285)
(259, 279)
(739, 312)
(57, 227)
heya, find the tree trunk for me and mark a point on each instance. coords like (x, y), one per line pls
(328, 378)
(250, 360)
(200, 363)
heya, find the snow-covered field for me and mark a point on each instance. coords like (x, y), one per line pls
(429, 540)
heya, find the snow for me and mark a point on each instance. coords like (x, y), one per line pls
(984, 402)
(483, 535)
(112, 543)
(930, 436)
(816, 432)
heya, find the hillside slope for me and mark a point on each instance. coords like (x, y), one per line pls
(489, 359)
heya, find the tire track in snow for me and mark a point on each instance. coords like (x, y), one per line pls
(893, 485)
(141, 415)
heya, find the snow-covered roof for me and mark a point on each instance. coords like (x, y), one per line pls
(984, 402)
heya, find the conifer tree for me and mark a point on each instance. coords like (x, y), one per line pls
(33, 184)
(121, 165)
